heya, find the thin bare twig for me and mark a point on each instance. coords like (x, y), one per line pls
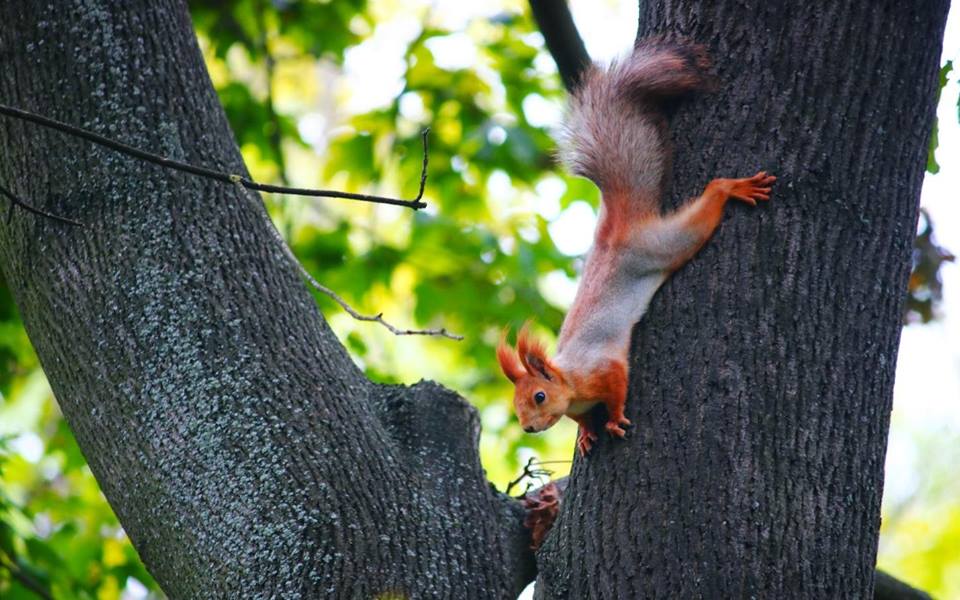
(378, 318)
(245, 184)
(15, 201)
(533, 469)
(163, 161)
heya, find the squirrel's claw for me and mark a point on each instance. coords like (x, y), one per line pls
(585, 441)
(614, 427)
(751, 189)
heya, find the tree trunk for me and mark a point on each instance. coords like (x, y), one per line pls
(244, 453)
(761, 379)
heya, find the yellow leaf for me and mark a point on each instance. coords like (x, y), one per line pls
(113, 554)
(109, 589)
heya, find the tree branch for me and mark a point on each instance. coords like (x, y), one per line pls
(246, 184)
(170, 163)
(24, 578)
(378, 318)
(16, 201)
(563, 40)
(887, 587)
(533, 470)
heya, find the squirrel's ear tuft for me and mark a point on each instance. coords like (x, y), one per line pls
(534, 356)
(508, 360)
(538, 365)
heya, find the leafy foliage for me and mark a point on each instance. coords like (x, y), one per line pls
(920, 533)
(58, 537)
(932, 165)
(925, 288)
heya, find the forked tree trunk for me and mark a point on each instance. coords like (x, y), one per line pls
(762, 377)
(244, 453)
(247, 457)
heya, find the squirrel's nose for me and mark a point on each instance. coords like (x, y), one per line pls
(530, 429)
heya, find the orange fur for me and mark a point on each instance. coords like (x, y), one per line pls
(619, 217)
(702, 216)
(532, 353)
(534, 373)
(508, 361)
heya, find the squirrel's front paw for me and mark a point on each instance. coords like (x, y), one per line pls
(585, 441)
(614, 427)
(751, 189)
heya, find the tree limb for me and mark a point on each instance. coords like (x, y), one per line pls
(563, 40)
(888, 587)
(16, 201)
(24, 578)
(243, 182)
(728, 485)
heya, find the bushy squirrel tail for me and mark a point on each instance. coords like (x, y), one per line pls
(615, 132)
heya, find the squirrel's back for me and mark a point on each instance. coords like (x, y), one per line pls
(615, 132)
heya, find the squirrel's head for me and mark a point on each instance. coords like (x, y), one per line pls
(541, 394)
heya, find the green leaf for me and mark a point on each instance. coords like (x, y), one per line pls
(932, 165)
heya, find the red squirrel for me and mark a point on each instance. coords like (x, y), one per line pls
(616, 135)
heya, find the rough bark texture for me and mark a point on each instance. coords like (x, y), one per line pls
(244, 453)
(762, 377)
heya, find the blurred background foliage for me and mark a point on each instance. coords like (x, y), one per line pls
(335, 94)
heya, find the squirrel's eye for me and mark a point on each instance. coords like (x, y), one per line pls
(539, 397)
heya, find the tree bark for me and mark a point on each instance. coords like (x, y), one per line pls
(244, 453)
(761, 379)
